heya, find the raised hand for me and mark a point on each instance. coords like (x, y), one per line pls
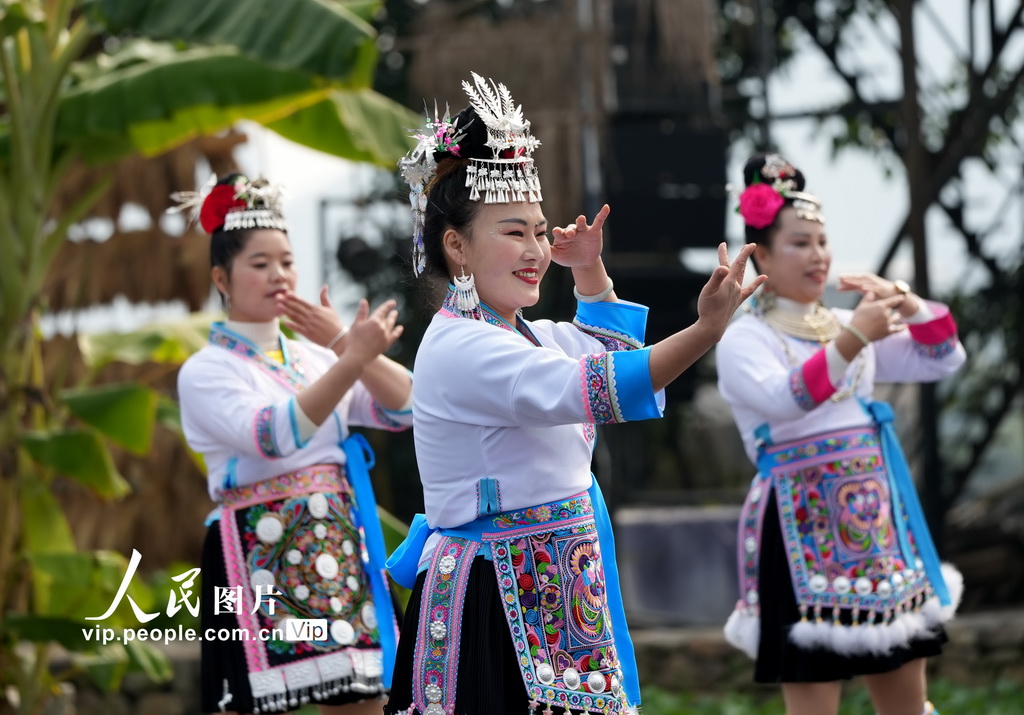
(373, 333)
(878, 319)
(318, 323)
(724, 291)
(579, 244)
(867, 282)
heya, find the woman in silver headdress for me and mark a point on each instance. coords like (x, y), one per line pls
(516, 605)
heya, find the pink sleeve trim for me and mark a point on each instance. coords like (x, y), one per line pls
(810, 383)
(936, 331)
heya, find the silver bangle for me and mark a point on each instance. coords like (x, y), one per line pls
(339, 336)
(594, 298)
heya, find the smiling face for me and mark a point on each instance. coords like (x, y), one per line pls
(797, 258)
(508, 253)
(259, 272)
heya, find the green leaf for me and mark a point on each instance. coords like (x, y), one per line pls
(44, 529)
(394, 529)
(153, 105)
(146, 658)
(315, 37)
(16, 15)
(124, 413)
(105, 668)
(46, 629)
(355, 124)
(169, 343)
(79, 455)
(82, 586)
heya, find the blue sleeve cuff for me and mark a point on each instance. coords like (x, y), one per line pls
(619, 326)
(618, 388)
(294, 420)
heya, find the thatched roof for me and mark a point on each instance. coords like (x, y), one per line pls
(546, 58)
(146, 266)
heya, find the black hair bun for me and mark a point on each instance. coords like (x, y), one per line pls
(769, 168)
(473, 144)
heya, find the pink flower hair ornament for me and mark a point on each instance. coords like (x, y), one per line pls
(759, 205)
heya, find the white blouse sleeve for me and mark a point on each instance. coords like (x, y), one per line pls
(479, 374)
(219, 408)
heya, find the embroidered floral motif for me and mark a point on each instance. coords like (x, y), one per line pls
(798, 387)
(939, 350)
(598, 386)
(835, 510)
(611, 339)
(436, 655)
(385, 419)
(264, 429)
(553, 511)
(291, 375)
(551, 580)
(298, 534)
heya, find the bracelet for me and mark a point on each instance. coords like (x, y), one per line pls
(594, 298)
(339, 336)
(855, 332)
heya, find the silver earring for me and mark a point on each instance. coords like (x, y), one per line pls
(466, 298)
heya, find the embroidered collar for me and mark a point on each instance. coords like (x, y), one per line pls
(486, 314)
(290, 374)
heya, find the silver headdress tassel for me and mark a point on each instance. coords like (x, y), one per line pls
(418, 168)
(510, 175)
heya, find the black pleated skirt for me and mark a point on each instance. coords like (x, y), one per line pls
(781, 660)
(223, 661)
(489, 682)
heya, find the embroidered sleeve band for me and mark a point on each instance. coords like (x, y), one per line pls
(280, 429)
(616, 387)
(619, 326)
(391, 420)
(810, 383)
(936, 338)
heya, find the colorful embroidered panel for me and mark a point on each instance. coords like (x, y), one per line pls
(436, 657)
(597, 382)
(937, 351)
(835, 510)
(293, 549)
(801, 393)
(551, 579)
(611, 339)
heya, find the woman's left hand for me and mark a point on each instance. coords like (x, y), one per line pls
(865, 283)
(579, 245)
(318, 323)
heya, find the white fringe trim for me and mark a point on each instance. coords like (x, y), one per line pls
(743, 629)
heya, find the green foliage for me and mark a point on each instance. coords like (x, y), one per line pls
(79, 455)
(122, 413)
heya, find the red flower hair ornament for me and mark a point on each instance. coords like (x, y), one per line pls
(759, 205)
(243, 204)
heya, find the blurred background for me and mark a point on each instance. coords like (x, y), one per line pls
(904, 116)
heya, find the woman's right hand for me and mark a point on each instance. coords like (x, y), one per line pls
(878, 319)
(373, 333)
(724, 291)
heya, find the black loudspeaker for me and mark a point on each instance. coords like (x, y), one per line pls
(665, 182)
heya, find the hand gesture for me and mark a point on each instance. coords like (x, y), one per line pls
(878, 319)
(373, 333)
(318, 323)
(579, 245)
(724, 291)
(867, 282)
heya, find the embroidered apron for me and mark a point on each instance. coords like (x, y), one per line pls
(851, 523)
(559, 589)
